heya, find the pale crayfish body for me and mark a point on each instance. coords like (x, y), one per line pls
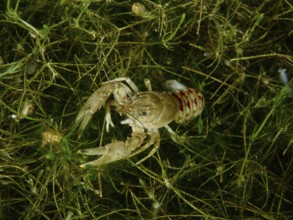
(145, 113)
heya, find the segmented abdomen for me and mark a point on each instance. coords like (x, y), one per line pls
(191, 104)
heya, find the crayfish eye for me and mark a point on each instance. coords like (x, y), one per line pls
(143, 113)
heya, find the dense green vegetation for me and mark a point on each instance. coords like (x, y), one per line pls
(236, 160)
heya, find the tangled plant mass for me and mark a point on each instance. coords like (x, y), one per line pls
(232, 160)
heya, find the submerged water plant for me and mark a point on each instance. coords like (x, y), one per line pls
(236, 158)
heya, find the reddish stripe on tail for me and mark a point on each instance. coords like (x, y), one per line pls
(180, 101)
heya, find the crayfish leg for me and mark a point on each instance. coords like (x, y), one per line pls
(128, 81)
(154, 140)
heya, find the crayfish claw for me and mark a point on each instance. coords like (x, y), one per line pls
(110, 153)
